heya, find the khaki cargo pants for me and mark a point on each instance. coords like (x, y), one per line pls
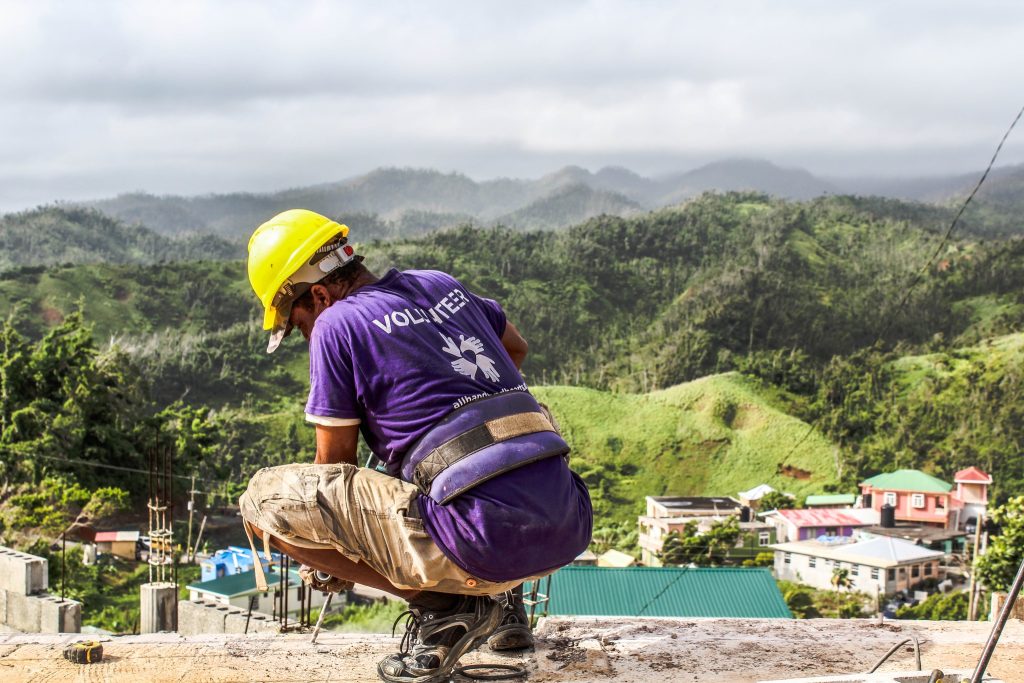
(365, 515)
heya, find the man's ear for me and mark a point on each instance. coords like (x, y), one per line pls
(322, 298)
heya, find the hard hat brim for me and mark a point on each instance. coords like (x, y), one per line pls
(279, 325)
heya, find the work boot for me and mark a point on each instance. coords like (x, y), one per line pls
(435, 641)
(514, 632)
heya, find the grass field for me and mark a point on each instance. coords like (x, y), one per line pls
(718, 435)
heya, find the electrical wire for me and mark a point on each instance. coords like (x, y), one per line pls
(952, 226)
(122, 468)
(928, 264)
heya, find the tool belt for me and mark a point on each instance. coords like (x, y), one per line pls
(479, 441)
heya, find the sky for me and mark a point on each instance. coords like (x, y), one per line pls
(100, 98)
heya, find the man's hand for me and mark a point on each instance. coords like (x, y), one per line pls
(331, 584)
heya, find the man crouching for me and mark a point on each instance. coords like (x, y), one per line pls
(473, 495)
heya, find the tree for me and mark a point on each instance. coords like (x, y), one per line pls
(998, 566)
(777, 500)
(841, 578)
(703, 549)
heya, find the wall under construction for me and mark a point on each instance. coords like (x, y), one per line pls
(24, 603)
(195, 618)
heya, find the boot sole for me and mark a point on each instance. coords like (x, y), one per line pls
(511, 637)
(473, 638)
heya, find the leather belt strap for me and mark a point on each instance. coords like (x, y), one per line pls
(469, 442)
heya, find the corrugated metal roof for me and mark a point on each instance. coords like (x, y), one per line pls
(816, 518)
(666, 592)
(116, 536)
(832, 499)
(878, 552)
(909, 480)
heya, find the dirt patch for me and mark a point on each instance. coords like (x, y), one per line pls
(792, 472)
(51, 315)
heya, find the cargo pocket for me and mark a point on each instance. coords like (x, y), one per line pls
(288, 504)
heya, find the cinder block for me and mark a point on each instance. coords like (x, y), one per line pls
(157, 613)
(59, 616)
(214, 618)
(188, 617)
(22, 573)
(23, 612)
(235, 623)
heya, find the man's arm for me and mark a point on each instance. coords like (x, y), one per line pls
(515, 345)
(336, 445)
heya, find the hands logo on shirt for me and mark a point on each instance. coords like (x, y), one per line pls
(463, 365)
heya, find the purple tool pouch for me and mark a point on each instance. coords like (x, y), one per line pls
(485, 462)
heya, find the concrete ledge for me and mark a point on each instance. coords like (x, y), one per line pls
(620, 649)
(22, 573)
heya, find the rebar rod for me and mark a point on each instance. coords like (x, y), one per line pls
(997, 627)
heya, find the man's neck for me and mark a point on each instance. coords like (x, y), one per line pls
(339, 292)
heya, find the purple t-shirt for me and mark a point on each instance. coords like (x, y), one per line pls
(400, 354)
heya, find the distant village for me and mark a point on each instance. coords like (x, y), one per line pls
(904, 536)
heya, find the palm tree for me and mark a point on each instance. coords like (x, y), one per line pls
(841, 578)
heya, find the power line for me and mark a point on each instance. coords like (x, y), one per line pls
(121, 468)
(928, 264)
(952, 226)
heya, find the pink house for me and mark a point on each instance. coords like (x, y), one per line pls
(920, 498)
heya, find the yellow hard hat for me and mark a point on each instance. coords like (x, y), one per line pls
(296, 247)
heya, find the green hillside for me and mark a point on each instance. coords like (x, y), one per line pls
(714, 436)
(67, 234)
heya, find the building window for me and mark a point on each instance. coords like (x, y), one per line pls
(812, 562)
(917, 500)
(928, 570)
(855, 569)
(874, 572)
(764, 538)
(889, 498)
(890, 574)
(915, 570)
(787, 558)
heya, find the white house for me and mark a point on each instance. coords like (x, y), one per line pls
(880, 565)
(239, 590)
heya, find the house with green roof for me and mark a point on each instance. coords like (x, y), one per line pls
(721, 592)
(238, 590)
(920, 498)
(831, 500)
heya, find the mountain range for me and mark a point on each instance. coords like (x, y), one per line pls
(404, 202)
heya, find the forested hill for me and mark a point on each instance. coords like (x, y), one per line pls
(67, 234)
(793, 296)
(645, 302)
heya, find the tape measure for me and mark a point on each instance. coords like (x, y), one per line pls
(84, 652)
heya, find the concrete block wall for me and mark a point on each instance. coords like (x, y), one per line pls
(22, 573)
(24, 603)
(209, 617)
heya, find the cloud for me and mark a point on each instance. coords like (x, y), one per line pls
(101, 97)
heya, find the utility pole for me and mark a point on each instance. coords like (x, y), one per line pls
(191, 507)
(972, 604)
